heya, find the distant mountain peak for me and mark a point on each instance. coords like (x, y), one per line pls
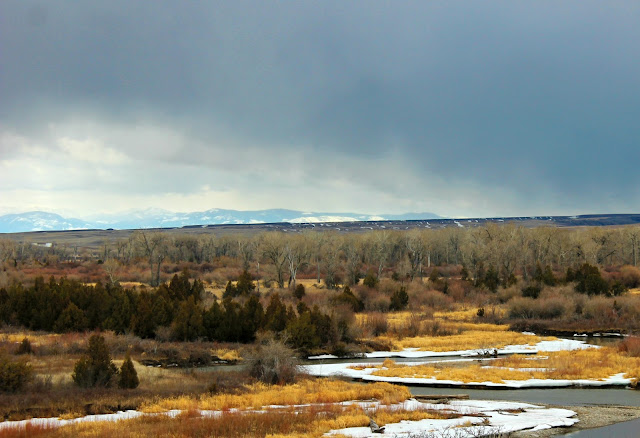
(162, 218)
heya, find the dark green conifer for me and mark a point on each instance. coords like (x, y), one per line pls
(95, 367)
(128, 375)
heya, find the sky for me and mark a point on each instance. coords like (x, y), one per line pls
(460, 108)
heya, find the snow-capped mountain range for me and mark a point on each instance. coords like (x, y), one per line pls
(159, 218)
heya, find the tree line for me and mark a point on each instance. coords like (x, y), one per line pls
(338, 259)
(66, 305)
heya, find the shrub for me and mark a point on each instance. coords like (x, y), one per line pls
(128, 375)
(531, 291)
(14, 375)
(273, 362)
(551, 308)
(95, 367)
(433, 299)
(435, 274)
(370, 280)
(630, 346)
(299, 291)
(528, 308)
(347, 297)
(377, 323)
(507, 293)
(399, 299)
(630, 276)
(589, 280)
(25, 347)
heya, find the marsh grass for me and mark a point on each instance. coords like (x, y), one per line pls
(442, 331)
(467, 340)
(591, 364)
(52, 392)
(308, 391)
(307, 421)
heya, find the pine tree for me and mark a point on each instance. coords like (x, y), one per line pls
(399, 299)
(72, 319)
(128, 375)
(95, 367)
(187, 325)
(276, 314)
(245, 285)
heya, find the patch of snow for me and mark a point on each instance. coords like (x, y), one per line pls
(480, 417)
(365, 374)
(556, 345)
(486, 418)
(316, 219)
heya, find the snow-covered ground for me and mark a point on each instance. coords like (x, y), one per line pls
(343, 369)
(482, 417)
(478, 416)
(365, 374)
(556, 345)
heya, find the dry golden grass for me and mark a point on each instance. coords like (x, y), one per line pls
(468, 340)
(305, 392)
(467, 374)
(227, 354)
(310, 283)
(37, 339)
(310, 421)
(447, 331)
(467, 315)
(277, 423)
(592, 364)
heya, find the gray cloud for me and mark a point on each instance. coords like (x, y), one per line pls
(474, 108)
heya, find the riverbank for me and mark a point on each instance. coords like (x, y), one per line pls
(589, 417)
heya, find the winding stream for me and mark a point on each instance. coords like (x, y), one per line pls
(550, 396)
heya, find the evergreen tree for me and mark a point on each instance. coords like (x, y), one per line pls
(72, 319)
(128, 375)
(252, 319)
(589, 280)
(399, 299)
(347, 297)
(492, 279)
(370, 280)
(211, 321)
(95, 367)
(322, 324)
(143, 321)
(276, 314)
(302, 333)
(245, 285)
(299, 291)
(230, 328)
(187, 325)
(180, 287)
(120, 312)
(230, 291)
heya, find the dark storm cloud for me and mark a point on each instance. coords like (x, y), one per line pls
(541, 99)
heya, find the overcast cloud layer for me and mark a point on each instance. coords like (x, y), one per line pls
(468, 108)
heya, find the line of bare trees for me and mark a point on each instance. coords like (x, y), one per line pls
(509, 249)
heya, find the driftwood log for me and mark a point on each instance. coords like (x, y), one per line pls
(441, 398)
(374, 427)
